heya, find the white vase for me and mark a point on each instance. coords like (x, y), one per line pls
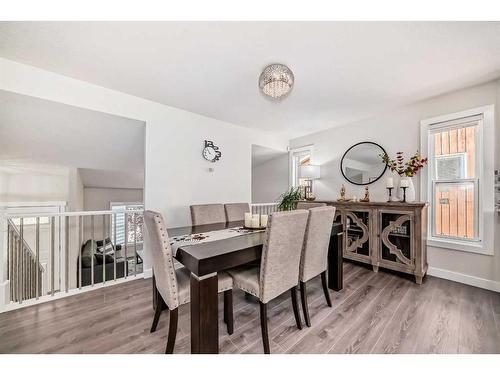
(410, 190)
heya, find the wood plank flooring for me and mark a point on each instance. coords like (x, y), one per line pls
(374, 313)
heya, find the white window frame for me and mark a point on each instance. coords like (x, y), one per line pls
(485, 144)
(294, 179)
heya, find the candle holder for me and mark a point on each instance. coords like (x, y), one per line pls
(390, 194)
(404, 193)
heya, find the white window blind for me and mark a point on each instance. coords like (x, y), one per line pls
(126, 229)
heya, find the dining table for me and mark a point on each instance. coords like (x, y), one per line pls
(204, 260)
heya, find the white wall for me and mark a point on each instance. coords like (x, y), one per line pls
(75, 190)
(270, 179)
(29, 182)
(96, 199)
(176, 174)
(400, 131)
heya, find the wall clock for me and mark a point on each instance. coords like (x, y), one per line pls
(211, 152)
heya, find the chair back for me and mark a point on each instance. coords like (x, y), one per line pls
(279, 268)
(308, 205)
(202, 214)
(161, 254)
(236, 211)
(316, 241)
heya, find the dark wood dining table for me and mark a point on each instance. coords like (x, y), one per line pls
(205, 260)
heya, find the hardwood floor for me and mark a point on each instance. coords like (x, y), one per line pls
(374, 313)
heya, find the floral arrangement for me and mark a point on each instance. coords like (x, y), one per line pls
(407, 168)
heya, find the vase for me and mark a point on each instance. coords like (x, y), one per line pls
(410, 190)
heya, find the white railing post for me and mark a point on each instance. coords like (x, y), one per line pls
(5, 262)
(264, 208)
(37, 263)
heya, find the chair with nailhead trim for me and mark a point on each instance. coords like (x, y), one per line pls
(314, 258)
(279, 266)
(173, 286)
(236, 211)
(202, 214)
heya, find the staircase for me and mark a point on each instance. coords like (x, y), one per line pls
(24, 270)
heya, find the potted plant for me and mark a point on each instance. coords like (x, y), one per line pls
(405, 169)
(288, 200)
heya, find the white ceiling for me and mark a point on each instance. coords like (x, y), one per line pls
(344, 71)
(40, 131)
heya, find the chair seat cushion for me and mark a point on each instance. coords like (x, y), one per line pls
(247, 278)
(184, 283)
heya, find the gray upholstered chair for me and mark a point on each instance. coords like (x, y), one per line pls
(173, 286)
(236, 211)
(313, 261)
(308, 205)
(279, 267)
(207, 214)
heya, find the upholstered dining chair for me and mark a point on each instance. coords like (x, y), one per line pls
(236, 211)
(308, 205)
(313, 260)
(279, 267)
(207, 214)
(173, 286)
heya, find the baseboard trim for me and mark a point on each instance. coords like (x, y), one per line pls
(464, 279)
(148, 273)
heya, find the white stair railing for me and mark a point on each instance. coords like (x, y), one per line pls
(79, 251)
(23, 265)
(264, 208)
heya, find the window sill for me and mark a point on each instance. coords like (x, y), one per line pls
(476, 248)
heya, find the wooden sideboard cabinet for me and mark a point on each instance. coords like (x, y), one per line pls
(385, 234)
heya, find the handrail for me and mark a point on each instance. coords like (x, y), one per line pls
(69, 213)
(26, 246)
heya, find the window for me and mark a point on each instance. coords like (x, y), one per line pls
(299, 157)
(125, 230)
(457, 178)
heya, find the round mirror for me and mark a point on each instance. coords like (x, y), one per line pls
(362, 164)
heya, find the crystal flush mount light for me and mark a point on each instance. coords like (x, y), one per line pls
(276, 81)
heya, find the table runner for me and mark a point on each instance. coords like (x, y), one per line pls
(192, 239)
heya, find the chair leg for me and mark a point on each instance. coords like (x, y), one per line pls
(325, 288)
(228, 311)
(305, 307)
(158, 310)
(172, 330)
(295, 306)
(263, 327)
(225, 307)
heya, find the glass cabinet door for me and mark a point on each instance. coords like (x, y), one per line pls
(358, 233)
(395, 237)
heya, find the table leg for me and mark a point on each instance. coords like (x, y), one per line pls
(204, 314)
(335, 267)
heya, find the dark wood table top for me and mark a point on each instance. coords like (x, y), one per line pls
(214, 256)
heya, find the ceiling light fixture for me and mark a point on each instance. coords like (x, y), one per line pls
(276, 81)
